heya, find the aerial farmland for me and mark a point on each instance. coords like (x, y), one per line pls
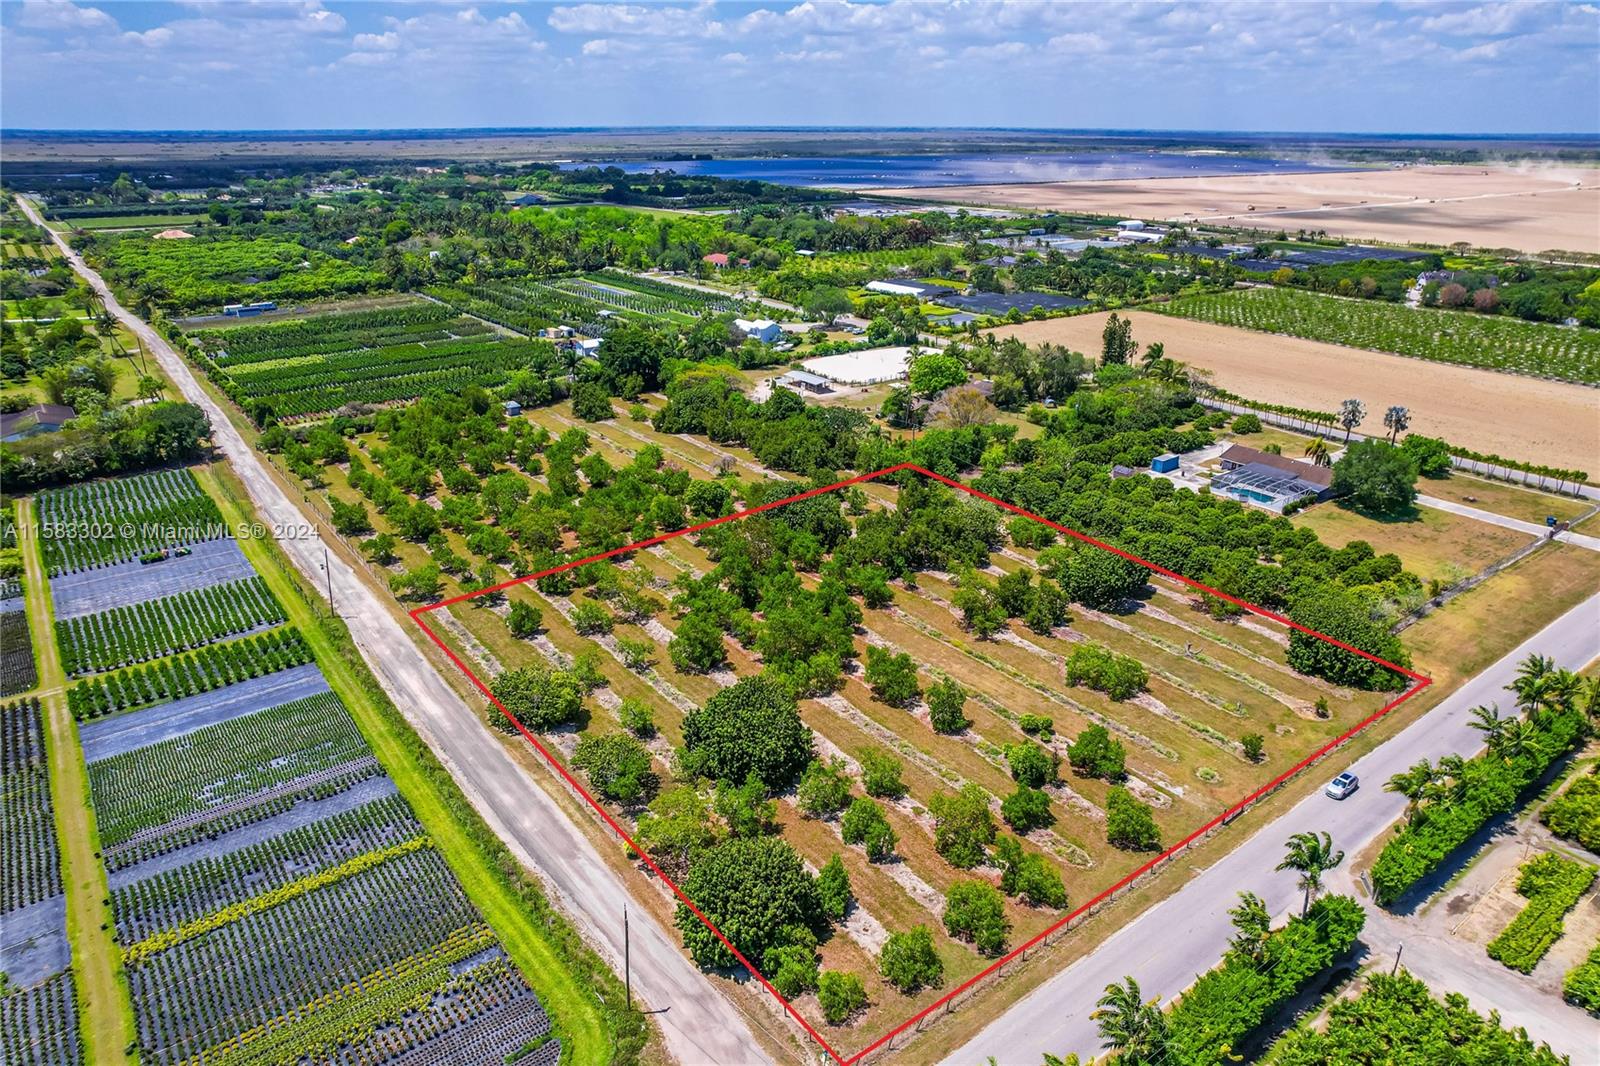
(259, 862)
(642, 590)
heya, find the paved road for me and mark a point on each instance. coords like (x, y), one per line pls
(700, 1025)
(1180, 938)
(1534, 529)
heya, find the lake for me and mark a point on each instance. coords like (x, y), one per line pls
(876, 172)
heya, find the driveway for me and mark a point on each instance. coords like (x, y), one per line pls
(1533, 529)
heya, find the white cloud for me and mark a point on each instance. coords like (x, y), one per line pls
(63, 15)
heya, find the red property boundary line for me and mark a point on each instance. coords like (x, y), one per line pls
(1421, 683)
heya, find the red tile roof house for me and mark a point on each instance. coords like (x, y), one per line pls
(716, 259)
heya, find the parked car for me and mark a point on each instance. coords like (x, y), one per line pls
(1343, 785)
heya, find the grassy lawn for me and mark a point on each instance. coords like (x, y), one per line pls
(189, 222)
(1293, 444)
(541, 943)
(1513, 501)
(1430, 543)
(1472, 631)
(105, 1007)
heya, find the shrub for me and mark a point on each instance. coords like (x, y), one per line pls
(824, 789)
(1032, 765)
(1491, 785)
(1254, 745)
(963, 827)
(909, 962)
(1247, 423)
(1552, 885)
(1096, 754)
(975, 911)
(1129, 823)
(636, 652)
(637, 718)
(893, 676)
(524, 619)
(1396, 1020)
(537, 696)
(863, 823)
(591, 402)
(880, 773)
(1118, 676)
(1028, 875)
(1575, 814)
(833, 889)
(840, 994)
(1027, 809)
(1337, 613)
(792, 969)
(1037, 725)
(945, 703)
(618, 766)
(590, 618)
(1227, 1004)
(1582, 984)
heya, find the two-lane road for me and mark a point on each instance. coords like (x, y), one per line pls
(1171, 944)
(699, 1024)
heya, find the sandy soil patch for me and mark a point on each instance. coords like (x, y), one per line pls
(1522, 418)
(1528, 208)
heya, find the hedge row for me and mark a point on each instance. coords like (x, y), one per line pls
(1491, 787)
(1244, 992)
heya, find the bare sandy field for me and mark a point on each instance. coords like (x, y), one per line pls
(1521, 418)
(1530, 208)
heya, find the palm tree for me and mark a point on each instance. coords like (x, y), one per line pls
(1154, 354)
(1253, 922)
(1351, 413)
(1533, 683)
(1487, 721)
(1396, 420)
(1311, 855)
(1317, 452)
(1130, 1025)
(1413, 785)
(1515, 738)
(1449, 782)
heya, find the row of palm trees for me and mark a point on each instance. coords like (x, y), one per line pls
(1136, 1028)
(1539, 688)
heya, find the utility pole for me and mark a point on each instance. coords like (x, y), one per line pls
(1397, 953)
(328, 570)
(627, 970)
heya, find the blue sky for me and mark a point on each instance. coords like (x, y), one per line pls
(1445, 67)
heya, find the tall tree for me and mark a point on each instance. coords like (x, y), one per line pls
(1130, 1025)
(1396, 420)
(1413, 784)
(1311, 855)
(1351, 414)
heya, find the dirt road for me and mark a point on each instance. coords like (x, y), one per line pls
(699, 1024)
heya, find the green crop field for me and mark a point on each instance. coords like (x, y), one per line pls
(206, 273)
(303, 367)
(1461, 337)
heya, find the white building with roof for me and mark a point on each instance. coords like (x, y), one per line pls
(762, 329)
(870, 367)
